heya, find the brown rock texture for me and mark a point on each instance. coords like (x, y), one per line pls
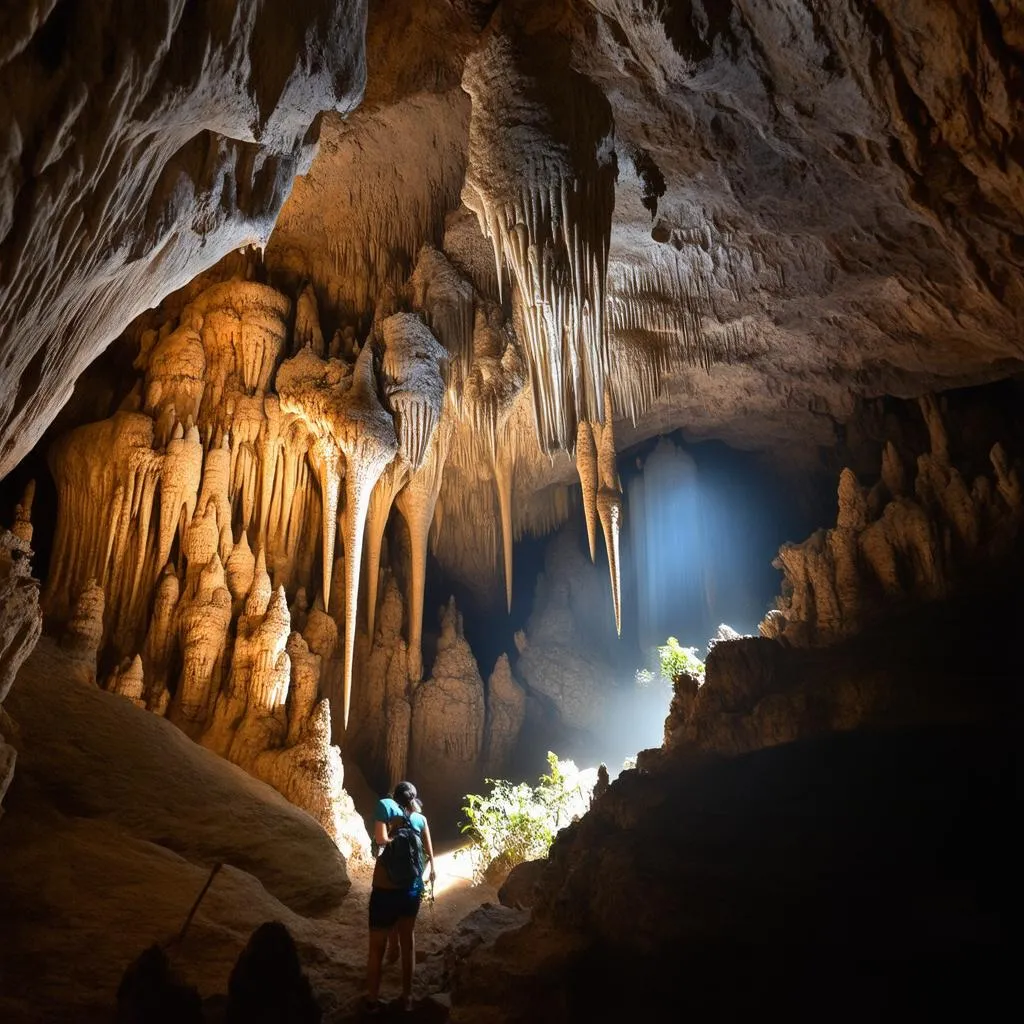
(140, 147)
(448, 717)
(900, 542)
(21, 623)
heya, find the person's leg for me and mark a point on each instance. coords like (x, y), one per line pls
(382, 921)
(392, 954)
(378, 940)
(407, 944)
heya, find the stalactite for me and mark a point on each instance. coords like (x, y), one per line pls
(357, 423)
(412, 376)
(586, 466)
(326, 459)
(447, 302)
(416, 502)
(609, 507)
(541, 181)
(504, 475)
(175, 379)
(391, 481)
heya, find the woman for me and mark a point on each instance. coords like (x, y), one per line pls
(395, 906)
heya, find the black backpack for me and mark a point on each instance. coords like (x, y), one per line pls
(403, 856)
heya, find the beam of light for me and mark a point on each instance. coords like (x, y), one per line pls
(454, 870)
(666, 534)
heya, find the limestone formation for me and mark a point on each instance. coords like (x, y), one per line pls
(448, 716)
(560, 654)
(546, 217)
(541, 181)
(20, 621)
(127, 681)
(506, 711)
(352, 423)
(84, 632)
(94, 229)
(609, 506)
(891, 548)
(416, 502)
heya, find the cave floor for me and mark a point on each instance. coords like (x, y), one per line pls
(110, 829)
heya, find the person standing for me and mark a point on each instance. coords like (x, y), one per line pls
(402, 837)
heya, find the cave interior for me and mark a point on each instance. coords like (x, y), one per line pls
(383, 383)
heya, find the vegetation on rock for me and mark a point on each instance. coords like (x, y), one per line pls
(516, 822)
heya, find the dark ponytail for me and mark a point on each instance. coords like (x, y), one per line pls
(405, 795)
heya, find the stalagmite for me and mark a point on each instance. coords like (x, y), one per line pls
(506, 711)
(216, 482)
(22, 526)
(179, 487)
(416, 503)
(305, 681)
(84, 632)
(586, 466)
(127, 681)
(240, 570)
(21, 621)
(448, 716)
(397, 725)
(933, 535)
(203, 622)
(259, 593)
(307, 322)
(161, 639)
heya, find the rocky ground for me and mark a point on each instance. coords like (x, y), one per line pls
(108, 835)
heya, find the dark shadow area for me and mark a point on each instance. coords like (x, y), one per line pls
(857, 876)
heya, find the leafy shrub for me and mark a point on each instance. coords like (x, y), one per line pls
(516, 822)
(675, 660)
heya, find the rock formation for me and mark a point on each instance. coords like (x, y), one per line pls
(449, 712)
(551, 232)
(506, 711)
(127, 681)
(20, 620)
(94, 227)
(898, 543)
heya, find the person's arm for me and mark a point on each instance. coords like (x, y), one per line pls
(380, 836)
(428, 847)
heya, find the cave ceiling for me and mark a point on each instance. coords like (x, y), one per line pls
(763, 209)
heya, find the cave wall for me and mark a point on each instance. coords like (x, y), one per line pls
(141, 147)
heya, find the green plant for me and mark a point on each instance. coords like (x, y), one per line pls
(675, 660)
(515, 822)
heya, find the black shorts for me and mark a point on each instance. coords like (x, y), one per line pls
(388, 905)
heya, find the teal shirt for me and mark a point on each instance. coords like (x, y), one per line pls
(387, 811)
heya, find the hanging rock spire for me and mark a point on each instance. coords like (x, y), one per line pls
(416, 502)
(391, 481)
(609, 505)
(541, 181)
(343, 408)
(586, 466)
